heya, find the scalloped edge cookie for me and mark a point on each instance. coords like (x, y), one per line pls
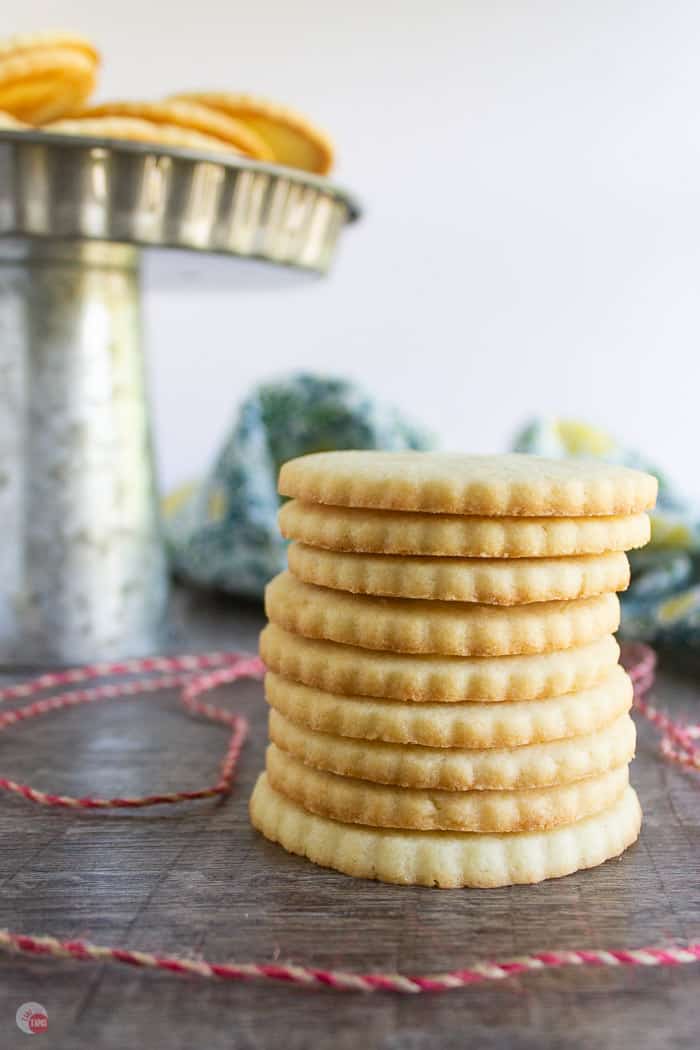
(292, 139)
(512, 723)
(445, 859)
(134, 129)
(365, 531)
(378, 805)
(460, 769)
(10, 123)
(450, 483)
(350, 671)
(412, 625)
(490, 581)
(191, 117)
(41, 84)
(23, 42)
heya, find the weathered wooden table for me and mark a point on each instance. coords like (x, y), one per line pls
(196, 878)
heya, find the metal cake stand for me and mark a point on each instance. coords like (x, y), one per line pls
(83, 572)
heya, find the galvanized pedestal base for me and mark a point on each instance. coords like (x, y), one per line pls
(82, 567)
(81, 560)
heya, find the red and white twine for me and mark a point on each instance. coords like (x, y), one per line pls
(194, 675)
(678, 739)
(197, 674)
(343, 980)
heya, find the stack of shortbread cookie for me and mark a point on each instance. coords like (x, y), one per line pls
(447, 706)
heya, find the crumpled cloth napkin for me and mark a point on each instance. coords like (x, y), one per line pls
(662, 604)
(222, 532)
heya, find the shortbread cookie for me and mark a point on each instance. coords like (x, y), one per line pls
(10, 123)
(472, 725)
(445, 859)
(378, 805)
(451, 535)
(445, 483)
(292, 139)
(350, 671)
(191, 117)
(135, 129)
(45, 75)
(492, 581)
(446, 628)
(460, 769)
(22, 43)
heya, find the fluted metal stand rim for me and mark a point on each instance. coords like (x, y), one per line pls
(91, 189)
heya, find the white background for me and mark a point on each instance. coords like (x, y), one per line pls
(531, 175)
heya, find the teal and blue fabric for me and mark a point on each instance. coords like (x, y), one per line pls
(222, 532)
(662, 604)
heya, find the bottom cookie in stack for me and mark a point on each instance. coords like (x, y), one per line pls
(442, 858)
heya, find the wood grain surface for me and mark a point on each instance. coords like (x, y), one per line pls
(197, 879)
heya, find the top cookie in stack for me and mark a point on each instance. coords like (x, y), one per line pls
(421, 586)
